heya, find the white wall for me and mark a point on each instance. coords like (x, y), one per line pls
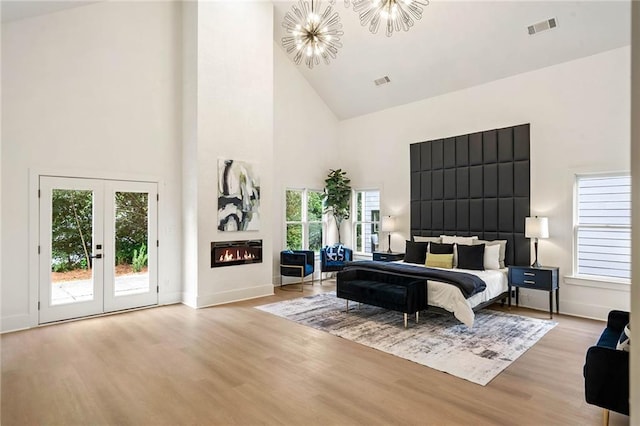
(634, 400)
(95, 91)
(305, 138)
(579, 115)
(235, 98)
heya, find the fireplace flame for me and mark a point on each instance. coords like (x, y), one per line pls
(229, 256)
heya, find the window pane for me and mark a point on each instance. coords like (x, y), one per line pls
(359, 245)
(315, 206)
(367, 221)
(315, 236)
(294, 236)
(604, 252)
(359, 197)
(604, 226)
(294, 205)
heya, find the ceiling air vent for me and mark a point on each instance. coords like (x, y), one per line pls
(382, 80)
(542, 26)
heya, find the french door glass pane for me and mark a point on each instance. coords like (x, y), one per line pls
(71, 246)
(294, 236)
(131, 243)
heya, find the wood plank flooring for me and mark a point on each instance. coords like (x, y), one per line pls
(235, 365)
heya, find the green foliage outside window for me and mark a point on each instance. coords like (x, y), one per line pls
(72, 233)
(295, 227)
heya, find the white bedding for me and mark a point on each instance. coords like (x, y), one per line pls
(450, 297)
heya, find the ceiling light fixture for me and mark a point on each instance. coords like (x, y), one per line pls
(313, 35)
(396, 15)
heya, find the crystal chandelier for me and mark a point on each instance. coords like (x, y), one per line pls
(312, 35)
(396, 15)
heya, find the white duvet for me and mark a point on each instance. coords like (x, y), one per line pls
(450, 297)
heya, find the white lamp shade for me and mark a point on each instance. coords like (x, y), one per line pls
(536, 227)
(388, 224)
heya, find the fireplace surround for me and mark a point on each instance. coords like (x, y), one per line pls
(229, 253)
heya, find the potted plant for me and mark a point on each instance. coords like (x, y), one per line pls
(337, 196)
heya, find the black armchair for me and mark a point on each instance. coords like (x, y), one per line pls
(297, 263)
(334, 258)
(606, 369)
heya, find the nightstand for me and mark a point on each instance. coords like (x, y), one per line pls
(541, 278)
(387, 257)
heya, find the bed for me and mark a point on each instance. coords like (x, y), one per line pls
(449, 298)
(462, 274)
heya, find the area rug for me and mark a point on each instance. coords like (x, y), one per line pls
(438, 341)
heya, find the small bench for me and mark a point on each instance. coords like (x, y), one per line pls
(395, 292)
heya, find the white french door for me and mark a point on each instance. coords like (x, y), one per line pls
(98, 246)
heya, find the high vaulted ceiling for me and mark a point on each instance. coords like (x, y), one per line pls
(457, 44)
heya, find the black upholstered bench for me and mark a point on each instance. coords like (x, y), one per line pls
(395, 292)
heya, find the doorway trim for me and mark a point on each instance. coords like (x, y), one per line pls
(34, 219)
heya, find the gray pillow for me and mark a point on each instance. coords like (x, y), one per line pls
(503, 248)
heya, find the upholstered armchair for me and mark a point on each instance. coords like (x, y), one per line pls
(333, 258)
(297, 263)
(606, 369)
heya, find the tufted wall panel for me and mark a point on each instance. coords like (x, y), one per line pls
(476, 184)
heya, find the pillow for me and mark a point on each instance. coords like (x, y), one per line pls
(439, 260)
(492, 256)
(503, 248)
(418, 239)
(436, 248)
(471, 257)
(415, 252)
(625, 339)
(447, 239)
(335, 252)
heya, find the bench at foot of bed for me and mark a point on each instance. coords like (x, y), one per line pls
(395, 292)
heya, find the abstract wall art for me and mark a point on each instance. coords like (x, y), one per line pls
(238, 196)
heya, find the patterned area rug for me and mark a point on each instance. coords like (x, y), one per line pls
(438, 341)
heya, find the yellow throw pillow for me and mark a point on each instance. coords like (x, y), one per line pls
(439, 260)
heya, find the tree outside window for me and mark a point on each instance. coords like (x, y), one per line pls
(304, 219)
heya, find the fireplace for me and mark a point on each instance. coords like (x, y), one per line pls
(228, 253)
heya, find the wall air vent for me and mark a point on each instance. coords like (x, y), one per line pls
(542, 26)
(382, 80)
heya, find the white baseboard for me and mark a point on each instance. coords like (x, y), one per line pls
(234, 296)
(169, 298)
(15, 323)
(574, 309)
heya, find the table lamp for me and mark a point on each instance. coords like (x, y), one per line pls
(388, 225)
(536, 227)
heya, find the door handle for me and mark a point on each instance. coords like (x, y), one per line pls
(97, 256)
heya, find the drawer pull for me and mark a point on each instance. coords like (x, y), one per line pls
(529, 282)
(530, 274)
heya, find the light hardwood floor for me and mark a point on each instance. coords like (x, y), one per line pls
(235, 365)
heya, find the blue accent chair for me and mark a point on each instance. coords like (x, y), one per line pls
(297, 263)
(334, 258)
(606, 369)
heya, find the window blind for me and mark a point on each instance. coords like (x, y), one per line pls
(603, 229)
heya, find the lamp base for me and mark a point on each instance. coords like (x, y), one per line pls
(536, 264)
(389, 249)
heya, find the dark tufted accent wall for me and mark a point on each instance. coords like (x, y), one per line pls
(475, 184)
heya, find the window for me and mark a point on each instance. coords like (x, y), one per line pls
(366, 221)
(304, 219)
(603, 226)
